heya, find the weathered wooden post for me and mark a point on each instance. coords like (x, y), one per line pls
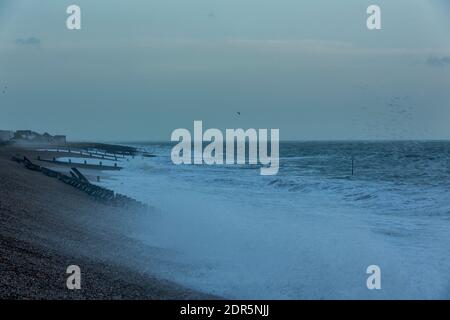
(353, 164)
(70, 160)
(85, 162)
(101, 163)
(115, 165)
(98, 178)
(54, 159)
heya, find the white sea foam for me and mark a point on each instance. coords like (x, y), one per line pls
(233, 233)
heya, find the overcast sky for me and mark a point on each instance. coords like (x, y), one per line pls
(140, 69)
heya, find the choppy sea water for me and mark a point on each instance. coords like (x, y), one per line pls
(310, 231)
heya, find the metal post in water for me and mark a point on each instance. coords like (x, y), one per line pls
(353, 164)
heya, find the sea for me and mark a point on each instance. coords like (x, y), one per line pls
(309, 232)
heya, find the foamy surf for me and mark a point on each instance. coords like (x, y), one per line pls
(230, 232)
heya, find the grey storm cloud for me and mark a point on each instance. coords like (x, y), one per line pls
(438, 61)
(31, 41)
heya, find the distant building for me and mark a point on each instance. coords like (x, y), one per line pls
(6, 135)
(28, 136)
(60, 140)
(25, 135)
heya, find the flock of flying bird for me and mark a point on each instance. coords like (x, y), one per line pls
(393, 119)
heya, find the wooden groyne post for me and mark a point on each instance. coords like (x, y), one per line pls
(79, 181)
(353, 165)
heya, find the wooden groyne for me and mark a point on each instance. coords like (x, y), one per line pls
(84, 165)
(80, 182)
(109, 150)
(91, 154)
